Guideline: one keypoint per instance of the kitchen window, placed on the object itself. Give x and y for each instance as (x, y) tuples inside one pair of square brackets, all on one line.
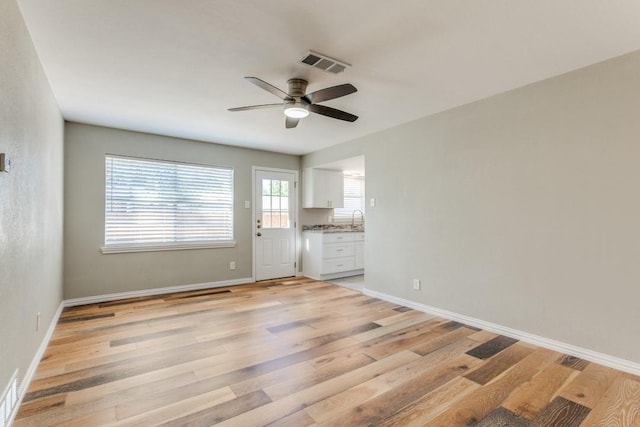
[(163, 205), (353, 199)]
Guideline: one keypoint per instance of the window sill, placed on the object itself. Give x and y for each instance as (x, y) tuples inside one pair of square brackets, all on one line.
[(120, 249)]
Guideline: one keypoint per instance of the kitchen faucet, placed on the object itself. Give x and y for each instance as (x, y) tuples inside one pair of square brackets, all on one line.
[(353, 218)]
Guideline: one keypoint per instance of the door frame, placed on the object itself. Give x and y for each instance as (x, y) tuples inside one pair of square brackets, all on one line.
[(254, 214)]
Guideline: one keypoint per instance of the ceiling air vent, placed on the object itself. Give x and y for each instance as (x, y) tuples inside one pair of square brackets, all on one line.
[(323, 62)]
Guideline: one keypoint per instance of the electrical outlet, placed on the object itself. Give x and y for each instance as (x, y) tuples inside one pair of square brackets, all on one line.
[(247, 204), (372, 202), (38, 322), (232, 265), (416, 284)]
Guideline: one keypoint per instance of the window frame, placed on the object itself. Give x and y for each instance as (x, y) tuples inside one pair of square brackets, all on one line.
[(341, 218), (114, 248)]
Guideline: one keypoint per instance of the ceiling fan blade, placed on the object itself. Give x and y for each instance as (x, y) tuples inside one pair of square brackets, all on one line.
[(330, 93), (269, 88), (332, 112), (291, 122), (254, 107)]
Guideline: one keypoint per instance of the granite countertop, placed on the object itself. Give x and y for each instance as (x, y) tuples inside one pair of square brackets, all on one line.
[(334, 228)]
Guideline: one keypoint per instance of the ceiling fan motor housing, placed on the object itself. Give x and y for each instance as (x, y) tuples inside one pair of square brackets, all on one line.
[(297, 88)]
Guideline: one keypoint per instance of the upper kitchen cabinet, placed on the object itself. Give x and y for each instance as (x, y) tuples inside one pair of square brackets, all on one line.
[(323, 188)]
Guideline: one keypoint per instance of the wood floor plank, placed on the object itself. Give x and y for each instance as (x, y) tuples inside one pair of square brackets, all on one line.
[(407, 338), (300, 400), (92, 377), (618, 407), (371, 370), (298, 352), (222, 411), (502, 417), (339, 406), (590, 385), (480, 403), (394, 327), (561, 413), (406, 391), (492, 347), (395, 318), (439, 341), (334, 407), (42, 405), (574, 362), (99, 418), (533, 396), (226, 374), (427, 407), (98, 401), (178, 409), (289, 379), (483, 336), (498, 364), (297, 419)]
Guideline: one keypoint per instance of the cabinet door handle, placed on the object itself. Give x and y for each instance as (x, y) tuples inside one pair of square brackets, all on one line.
[(340, 265)]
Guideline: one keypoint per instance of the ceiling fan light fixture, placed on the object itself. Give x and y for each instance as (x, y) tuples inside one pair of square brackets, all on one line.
[(296, 111)]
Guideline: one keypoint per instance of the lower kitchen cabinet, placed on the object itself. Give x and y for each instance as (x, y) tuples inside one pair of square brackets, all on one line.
[(359, 250), (332, 255)]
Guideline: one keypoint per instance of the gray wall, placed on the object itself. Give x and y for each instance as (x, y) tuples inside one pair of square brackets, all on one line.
[(87, 272), (521, 209), (31, 131)]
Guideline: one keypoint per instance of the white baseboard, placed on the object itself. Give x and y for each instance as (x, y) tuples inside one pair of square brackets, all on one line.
[(156, 291), (583, 353), (26, 380)]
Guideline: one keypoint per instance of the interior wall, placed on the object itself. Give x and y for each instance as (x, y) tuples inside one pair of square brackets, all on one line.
[(521, 209), (31, 132), (89, 273), (313, 216)]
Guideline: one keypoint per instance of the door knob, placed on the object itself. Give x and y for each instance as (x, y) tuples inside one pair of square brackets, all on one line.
[(258, 234)]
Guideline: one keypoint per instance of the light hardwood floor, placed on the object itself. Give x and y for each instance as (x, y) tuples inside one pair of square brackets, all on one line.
[(300, 352)]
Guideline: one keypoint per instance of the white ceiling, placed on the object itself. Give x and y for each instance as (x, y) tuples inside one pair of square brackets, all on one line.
[(173, 68)]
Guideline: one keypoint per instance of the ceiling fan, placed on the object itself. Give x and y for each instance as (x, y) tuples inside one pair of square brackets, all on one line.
[(297, 104)]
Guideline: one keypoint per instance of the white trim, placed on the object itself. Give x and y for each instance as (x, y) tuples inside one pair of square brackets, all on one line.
[(120, 249), (9, 400), (35, 361), (150, 292), (339, 275), (583, 353)]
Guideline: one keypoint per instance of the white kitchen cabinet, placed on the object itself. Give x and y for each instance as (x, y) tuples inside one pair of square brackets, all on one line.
[(331, 255), (322, 188), (359, 250)]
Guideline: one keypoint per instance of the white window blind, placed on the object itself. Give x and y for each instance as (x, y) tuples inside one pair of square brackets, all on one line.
[(167, 205), (353, 199)]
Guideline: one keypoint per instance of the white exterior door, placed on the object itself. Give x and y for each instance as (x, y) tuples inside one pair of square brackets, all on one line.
[(274, 224)]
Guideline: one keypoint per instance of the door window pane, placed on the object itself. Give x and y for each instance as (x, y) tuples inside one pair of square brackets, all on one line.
[(275, 204)]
